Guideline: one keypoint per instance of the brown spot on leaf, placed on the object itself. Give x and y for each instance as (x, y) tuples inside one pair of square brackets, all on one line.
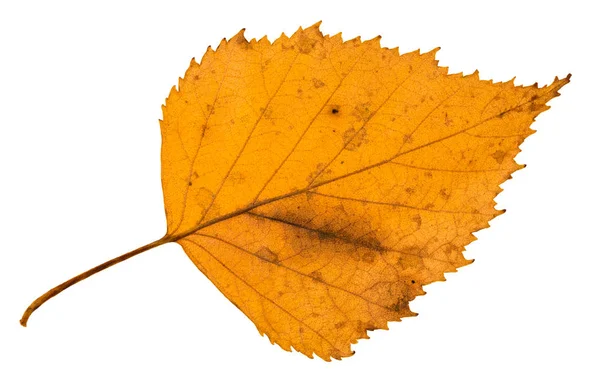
[(305, 44), (354, 139), (447, 120), (499, 156), (370, 241), (534, 107), (450, 248), (324, 235), (267, 255), (319, 171), (316, 275), (237, 177), (317, 83), (417, 219), (368, 257), (362, 112), (341, 324), (396, 306), (444, 193), (370, 326)]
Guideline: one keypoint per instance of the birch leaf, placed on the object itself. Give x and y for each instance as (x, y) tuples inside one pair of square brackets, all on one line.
[(320, 183)]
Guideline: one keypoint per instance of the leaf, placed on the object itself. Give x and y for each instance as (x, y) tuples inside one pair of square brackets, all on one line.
[(319, 184)]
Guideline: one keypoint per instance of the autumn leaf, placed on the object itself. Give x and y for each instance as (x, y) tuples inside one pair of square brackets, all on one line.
[(319, 184)]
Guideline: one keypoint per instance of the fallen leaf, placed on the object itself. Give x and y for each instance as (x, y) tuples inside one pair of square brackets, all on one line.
[(319, 184)]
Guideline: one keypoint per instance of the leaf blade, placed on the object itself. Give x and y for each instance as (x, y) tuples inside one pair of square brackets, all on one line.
[(310, 149)]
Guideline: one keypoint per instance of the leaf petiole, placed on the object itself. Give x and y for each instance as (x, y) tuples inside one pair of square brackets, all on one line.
[(59, 288)]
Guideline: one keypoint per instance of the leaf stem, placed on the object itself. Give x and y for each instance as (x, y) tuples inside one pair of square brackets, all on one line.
[(59, 288)]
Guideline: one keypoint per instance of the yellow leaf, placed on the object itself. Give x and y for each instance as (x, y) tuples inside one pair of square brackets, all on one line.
[(319, 184)]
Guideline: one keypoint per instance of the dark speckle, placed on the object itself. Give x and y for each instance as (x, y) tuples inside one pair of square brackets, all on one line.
[(316, 275), (396, 307), (267, 255), (444, 193), (412, 281), (354, 139), (340, 324), (368, 257), (323, 235), (317, 83), (417, 219), (536, 107), (334, 111), (499, 156)]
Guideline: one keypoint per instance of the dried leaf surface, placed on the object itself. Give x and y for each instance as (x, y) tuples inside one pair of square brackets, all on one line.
[(319, 184)]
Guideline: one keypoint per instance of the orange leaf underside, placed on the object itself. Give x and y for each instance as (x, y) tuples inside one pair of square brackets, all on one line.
[(319, 184)]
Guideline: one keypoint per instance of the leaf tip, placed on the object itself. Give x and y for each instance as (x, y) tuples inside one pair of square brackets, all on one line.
[(568, 78), (562, 82)]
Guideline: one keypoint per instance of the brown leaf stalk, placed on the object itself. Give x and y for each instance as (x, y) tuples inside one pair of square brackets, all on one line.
[(61, 287)]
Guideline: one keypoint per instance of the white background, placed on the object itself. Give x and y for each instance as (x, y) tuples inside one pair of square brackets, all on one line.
[(80, 92)]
